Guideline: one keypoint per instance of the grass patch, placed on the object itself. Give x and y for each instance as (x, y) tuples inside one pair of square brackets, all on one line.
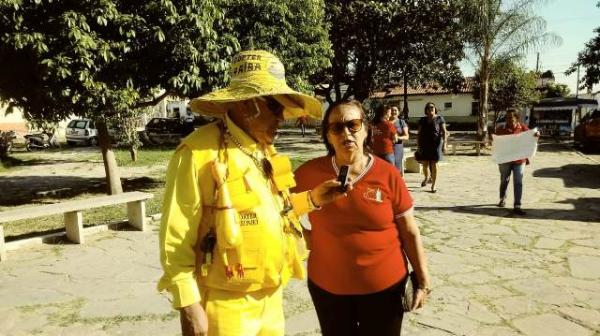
[(146, 157)]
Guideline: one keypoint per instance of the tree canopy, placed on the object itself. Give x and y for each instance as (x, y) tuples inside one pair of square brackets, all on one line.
[(511, 85), (502, 29), (378, 42), (100, 59)]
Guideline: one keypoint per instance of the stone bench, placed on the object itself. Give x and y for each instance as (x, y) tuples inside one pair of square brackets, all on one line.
[(473, 143), (72, 210)]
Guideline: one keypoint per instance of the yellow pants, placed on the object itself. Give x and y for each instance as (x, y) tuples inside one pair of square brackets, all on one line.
[(258, 313)]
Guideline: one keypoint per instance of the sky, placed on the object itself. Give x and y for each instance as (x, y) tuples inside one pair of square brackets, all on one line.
[(572, 20)]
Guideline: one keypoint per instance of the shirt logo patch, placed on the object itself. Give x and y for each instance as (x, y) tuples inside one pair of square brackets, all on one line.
[(374, 194), (248, 218)]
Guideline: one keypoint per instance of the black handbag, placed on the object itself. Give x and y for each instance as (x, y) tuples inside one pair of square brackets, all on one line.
[(418, 155), (410, 288)]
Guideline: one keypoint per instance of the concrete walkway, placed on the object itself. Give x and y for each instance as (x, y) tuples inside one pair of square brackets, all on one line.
[(493, 273)]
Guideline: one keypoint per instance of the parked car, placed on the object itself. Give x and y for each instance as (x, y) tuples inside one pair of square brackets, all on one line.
[(169, 131), (163, 131), (81, 131), (587, 132)]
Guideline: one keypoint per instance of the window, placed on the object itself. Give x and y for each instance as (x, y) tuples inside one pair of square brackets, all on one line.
[(447, 105)]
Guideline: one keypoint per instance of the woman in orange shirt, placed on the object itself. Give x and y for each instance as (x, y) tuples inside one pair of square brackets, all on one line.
[(360, 243)]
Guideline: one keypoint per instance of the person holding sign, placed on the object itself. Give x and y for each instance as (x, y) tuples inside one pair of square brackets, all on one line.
[(516, 167)]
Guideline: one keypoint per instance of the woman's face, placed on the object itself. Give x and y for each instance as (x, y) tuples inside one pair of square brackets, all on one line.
[(511, 120), (346, 131), (430, 110), (395, 113), (387, 114)]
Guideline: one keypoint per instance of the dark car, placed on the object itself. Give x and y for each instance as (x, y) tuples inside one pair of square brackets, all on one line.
[(587, 132), (169, 131), (163, 131)]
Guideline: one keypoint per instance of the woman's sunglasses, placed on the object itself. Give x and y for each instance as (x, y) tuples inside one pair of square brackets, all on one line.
[(353, 126)]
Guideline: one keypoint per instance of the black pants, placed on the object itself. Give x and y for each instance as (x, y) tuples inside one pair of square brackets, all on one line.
[(359, 315)]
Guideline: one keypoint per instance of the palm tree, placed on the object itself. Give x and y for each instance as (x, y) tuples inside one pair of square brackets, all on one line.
[(502, 28)]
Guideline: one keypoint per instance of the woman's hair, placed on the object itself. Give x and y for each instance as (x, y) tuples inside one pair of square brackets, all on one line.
[(512, 112), (379, 112), (430, 104), (325, 125)]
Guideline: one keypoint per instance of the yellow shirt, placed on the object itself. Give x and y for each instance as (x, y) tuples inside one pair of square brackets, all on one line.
[(269, 254)]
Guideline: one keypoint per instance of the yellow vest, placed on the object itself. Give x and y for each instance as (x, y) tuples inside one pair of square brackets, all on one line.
[(271, 252)]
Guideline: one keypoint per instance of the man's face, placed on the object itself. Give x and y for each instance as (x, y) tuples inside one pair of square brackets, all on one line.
[(262, 117)]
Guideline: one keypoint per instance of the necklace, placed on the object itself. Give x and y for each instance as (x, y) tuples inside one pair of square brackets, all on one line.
[(263, 165)]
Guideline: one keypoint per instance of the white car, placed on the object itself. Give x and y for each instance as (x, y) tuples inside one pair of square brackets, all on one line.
[(81, 131)]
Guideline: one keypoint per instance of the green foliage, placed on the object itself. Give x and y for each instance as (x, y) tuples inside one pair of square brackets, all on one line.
[(99, 58), (293, 30), (376, 42), (555, 90), (501, 29), (589, 59), (511, 86)]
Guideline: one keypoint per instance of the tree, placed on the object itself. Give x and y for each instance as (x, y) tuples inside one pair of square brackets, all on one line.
[(510, 86), (103, 59), (378, 42), (551, 90), (500, 28), (294, 30), (589, 59)]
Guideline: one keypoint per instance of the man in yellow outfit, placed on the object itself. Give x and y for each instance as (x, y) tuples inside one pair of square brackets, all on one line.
[(230, 238)]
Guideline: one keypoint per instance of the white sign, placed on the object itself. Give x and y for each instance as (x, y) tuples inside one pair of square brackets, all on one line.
[(513, 147)]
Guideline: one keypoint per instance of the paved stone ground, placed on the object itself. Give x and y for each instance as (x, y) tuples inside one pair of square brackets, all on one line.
[(493, 273)]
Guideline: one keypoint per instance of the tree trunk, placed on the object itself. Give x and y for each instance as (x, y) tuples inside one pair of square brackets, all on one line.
[(133, 153), (405, 107), (483, 97), (110, 163)]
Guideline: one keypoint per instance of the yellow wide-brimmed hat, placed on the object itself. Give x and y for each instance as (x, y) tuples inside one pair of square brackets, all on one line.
[(257, 73)]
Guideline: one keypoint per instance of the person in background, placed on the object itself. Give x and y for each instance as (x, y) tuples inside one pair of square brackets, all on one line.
[(431, 141), (188, 122), (384, 135), (516, 168), (401, 136), (301, 122), (230, 238), (360, 244)]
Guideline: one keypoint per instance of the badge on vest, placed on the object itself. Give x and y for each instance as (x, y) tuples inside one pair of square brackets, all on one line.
[(248, 218)]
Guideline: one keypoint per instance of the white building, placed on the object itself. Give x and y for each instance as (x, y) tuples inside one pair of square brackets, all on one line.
[(455, 107)]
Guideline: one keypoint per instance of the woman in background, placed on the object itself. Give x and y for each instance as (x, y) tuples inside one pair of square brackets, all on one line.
[(431, 142), (401, 136), (384, 135)]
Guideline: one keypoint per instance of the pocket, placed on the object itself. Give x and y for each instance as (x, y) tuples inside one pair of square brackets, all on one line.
[(242, 198)]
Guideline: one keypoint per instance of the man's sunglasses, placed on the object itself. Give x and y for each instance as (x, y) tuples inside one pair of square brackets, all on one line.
[(353, 126), (274, 106)]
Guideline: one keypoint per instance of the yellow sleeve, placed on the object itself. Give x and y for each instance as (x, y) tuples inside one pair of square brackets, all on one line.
[(300, 203), (181, 213)]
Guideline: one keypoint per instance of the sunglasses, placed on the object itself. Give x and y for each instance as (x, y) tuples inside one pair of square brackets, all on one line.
[(274, 106), (353, 126)]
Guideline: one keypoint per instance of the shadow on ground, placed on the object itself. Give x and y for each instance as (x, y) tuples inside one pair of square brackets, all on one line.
[(19, 190), (573, 175), (14, 162), (585, 210)]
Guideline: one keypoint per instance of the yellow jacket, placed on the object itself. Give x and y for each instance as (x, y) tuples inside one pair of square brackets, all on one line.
[(270, 253)]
